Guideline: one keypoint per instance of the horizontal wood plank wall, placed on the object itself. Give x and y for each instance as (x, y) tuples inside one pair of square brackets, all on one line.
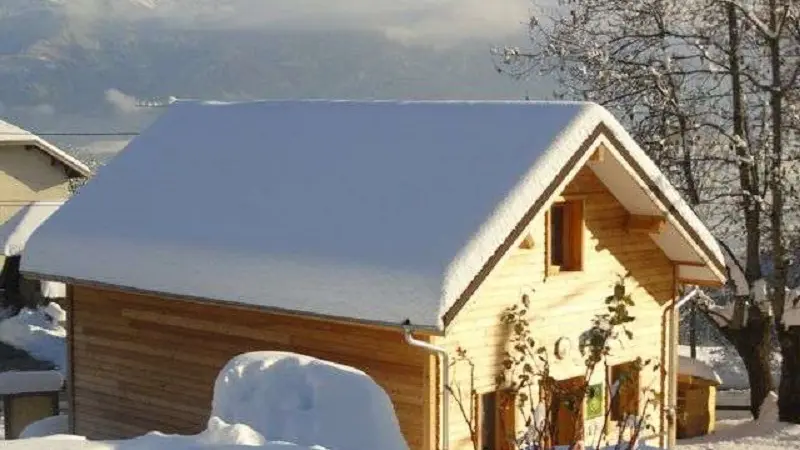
[(143, 363), (564, 304)]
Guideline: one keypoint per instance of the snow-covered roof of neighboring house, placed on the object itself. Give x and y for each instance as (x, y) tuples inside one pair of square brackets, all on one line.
[(16, 231), (379, 212), (11, 134), (736, 273), (697, 369)]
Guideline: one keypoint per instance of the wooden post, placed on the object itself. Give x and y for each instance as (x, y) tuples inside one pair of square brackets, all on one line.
[(23, 409)]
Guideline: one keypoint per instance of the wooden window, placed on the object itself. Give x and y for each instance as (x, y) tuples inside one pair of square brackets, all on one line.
[(565, 237), (496, 427), (566, 410), (624, 379)]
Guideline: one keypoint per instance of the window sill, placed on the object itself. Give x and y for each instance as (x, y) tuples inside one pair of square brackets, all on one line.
[(555, 272)]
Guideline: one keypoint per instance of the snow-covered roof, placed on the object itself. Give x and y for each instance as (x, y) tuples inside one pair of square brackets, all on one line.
[(30, 381), (16, 231), (736, 273), (697, 369), (370, 211), (11, 134)]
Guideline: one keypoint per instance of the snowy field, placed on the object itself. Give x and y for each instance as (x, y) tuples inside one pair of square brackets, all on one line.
[(764, 434)]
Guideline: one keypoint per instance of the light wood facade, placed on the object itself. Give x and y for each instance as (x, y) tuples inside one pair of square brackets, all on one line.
[(564, 303)]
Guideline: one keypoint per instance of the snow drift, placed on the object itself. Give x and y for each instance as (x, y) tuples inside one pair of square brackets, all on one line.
[(271, 401), (294, 398), (38, 332)]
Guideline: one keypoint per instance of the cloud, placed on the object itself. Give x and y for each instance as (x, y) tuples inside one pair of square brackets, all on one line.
[(44, 109), (104, 147), (405, 20), (121, 101)]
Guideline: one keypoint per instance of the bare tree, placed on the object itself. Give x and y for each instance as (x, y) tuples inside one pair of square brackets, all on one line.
[(709, 88)]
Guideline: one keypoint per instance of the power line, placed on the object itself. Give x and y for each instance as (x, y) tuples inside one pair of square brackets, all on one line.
[(74, 133)]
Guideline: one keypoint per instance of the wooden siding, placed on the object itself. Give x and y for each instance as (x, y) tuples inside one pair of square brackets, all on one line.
[(143, 363), (564, 304), (28, 175)]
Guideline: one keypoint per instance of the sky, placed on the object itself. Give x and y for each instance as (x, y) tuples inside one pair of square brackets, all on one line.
[(414, 21)]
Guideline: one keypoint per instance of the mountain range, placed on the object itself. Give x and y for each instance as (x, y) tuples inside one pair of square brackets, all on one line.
[(83, 65)]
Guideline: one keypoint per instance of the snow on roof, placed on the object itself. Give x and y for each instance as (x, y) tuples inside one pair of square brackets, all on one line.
[(30, 381), (16, 231), (370, 211), (697, 369), (12, 134), (735, 270)]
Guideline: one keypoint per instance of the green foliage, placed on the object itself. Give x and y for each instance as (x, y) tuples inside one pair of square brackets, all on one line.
[(594, 401)]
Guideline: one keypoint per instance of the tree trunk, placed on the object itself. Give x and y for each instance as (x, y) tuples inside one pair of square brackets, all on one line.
[(789, 392), (753, 343)]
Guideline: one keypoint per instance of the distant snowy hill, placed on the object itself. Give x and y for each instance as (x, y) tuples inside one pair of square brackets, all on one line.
[(83, 64)]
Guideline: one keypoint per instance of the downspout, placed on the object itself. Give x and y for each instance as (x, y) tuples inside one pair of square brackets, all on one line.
[(673, 311), (442, 353)]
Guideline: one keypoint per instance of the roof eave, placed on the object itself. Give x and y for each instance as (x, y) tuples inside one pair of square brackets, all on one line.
[(423, 329), (71, 163)]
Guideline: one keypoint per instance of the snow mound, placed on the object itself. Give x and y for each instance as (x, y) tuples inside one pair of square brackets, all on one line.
[(293, 398), (35, 331), (49, 426), (218, 436), (56, 312), (768, 413), (218, 433), (698, 369)]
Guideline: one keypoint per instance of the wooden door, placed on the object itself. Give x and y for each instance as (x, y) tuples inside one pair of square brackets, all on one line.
[(567, 411)]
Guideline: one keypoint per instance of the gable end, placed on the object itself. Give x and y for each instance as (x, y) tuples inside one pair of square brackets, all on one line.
[(600, 130), (520, 227)]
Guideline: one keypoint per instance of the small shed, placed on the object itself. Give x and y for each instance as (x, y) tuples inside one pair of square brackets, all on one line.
[(697, 398), (368, 234)]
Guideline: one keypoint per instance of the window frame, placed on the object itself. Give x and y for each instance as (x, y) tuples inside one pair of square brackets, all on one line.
[(619, 411), (572, 236), (503, 419)]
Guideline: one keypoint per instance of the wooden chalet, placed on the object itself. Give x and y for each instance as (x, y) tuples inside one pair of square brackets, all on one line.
[(353, 232)]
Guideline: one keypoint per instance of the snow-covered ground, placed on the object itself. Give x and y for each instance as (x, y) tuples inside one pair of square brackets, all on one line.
[(272, 401), (39, 332), (745, 434)]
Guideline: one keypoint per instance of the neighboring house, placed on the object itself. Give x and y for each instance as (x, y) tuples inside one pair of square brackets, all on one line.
[(344, 230), (33, 174), (32, 169)]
